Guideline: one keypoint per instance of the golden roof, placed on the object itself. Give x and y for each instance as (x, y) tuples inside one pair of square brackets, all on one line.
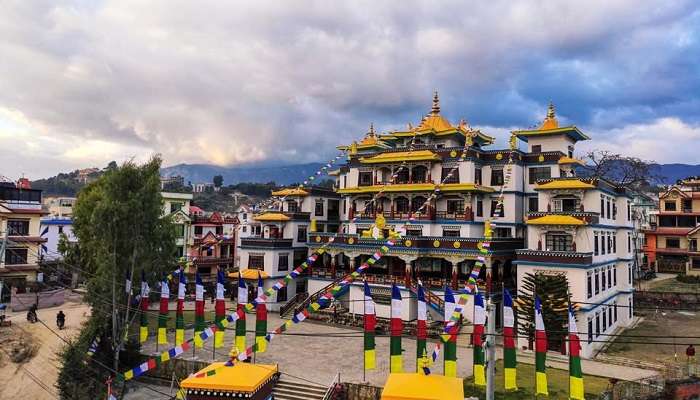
[(550, 127), (569, 160), (413, 386), (573, 183), (370, 137), (416, 187), (555, 220), (462, 187), (271, 217), (420, 155), (291, 192), (434, 120), (241, 377)]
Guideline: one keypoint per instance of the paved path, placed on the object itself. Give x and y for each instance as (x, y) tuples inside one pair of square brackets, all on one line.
[(644, 285)]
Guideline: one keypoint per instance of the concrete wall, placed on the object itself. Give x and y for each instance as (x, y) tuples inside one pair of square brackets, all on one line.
[(23, 301)]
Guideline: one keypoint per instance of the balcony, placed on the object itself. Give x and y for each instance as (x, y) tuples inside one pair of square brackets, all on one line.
[(425, 215), (271, 243), (559, 257), (211, 260), (587, 217)]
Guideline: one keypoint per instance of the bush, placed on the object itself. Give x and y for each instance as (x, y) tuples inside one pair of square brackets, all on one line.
[(692, 279)]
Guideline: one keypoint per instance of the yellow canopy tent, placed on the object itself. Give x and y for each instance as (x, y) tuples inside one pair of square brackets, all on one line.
[(412, 386), (251, 381), (249, 274)]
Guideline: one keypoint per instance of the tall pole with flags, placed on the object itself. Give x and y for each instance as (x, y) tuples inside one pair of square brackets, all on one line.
[(540, 350), (575, 374), (163, 315), (450, 356), (199, 324), (241, 322), (478, 340), (421, 329), (145, 291), (370, 323), (509, 357), (260, 318), (219, 309), (180, 311), (396, 328)]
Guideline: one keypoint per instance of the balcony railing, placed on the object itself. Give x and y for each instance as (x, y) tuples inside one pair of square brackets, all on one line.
[(560, 257), (266, 242), (206, 260), (425, 215), (419, 242)]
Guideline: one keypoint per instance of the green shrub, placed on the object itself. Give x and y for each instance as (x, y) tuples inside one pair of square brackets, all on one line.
[(692, 279)]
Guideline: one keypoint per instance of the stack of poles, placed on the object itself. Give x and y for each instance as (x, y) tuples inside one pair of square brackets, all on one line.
[(219, 309), (575, 374), (540, 350), (450, 357), (179, 312), (145, 291), (478, 340), (421, 329), (260, 319), (509, 358), (396, 328), (199, 324), (370, 323), (163, 315), (241, 322)]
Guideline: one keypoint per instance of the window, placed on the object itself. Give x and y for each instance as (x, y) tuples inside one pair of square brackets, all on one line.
[(301, 234), (455, 206), (602, 206), (595, 243), (629, 243), (219, 230), (345, 181), (450, 232), (479, 208), (589, 284), (245, 216), (15, 256), (673, 243), (607, 207), (454, 178), (609, 277), (318, 211), (559, 242), (597, 324), (495, 211), (615, 311), (605, 320), (629, 211), (60, 229), (614, 242), (614, 276), (244, 229), (496, 177), (597, 281), (292, 206), (629, 274), (502, 232), (537, 148), (614, 208), (537, 173), (365, 178), (414, 232), (570, 151), (175, 207), (602, 243), (283, 264), (179, 252), (401, 204), (566, 205), (590, 330), (180, 230), (533, 204), (17, 227), (477, 176), (610, 315), (197, 230), (602, 279), (282, 294), (670, 205), (256, 261), (629, 308)]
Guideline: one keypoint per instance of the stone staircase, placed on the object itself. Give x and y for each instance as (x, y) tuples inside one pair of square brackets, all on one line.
[(294, 390)]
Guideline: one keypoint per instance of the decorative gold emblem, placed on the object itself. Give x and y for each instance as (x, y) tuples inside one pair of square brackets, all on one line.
[(318, 239), (408, 243), (453, 153), (351, 240), (540, 158), (457, 245), (499, 156), (436, 243)]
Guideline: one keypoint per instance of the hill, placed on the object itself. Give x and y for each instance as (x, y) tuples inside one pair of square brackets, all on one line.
[(673, 172), (280, 174)]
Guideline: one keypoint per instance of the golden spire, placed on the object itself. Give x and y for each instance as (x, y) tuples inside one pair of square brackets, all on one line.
[(371, 129), (550, 122), (436, 105)]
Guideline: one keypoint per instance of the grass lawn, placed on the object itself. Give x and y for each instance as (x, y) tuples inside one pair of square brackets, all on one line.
[(673, 323), (557, 379), (675, 286)]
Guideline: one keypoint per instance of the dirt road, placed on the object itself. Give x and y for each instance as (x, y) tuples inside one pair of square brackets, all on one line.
[(35, 377)]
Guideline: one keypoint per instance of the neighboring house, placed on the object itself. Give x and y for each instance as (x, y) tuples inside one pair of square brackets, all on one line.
[(672, 240), (87, 175), (177, 206), (203, 187), (644, 212), (277, 239), (59, 206), (20, 238), (176, 180), (213, 242), (52, 228)]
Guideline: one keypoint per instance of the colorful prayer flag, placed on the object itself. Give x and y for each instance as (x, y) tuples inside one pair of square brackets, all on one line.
[(421, 329), (179, 313), (450, 356), (145, 291), (477, 339), (241, 322), (575, 373), (370, 324), (540, 350), (127, 284), (163, 316), (509, 358), (199, 324), (219, 309), (261, 319), (396, 357)]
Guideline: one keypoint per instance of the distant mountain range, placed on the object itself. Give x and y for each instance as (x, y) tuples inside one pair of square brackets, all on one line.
[(284, 175)]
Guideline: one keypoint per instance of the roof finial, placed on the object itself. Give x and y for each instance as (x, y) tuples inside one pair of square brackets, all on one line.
[(371, 129), (550, 122), (550, 110), (436, 104)]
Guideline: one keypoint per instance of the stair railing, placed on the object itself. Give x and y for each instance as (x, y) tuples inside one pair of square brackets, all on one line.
[(332, 388), (292, 303)]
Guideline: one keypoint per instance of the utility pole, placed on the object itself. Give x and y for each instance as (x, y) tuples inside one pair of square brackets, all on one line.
[(490, 337)]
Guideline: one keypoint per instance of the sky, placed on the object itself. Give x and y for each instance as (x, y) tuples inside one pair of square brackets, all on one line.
[(237, 82)]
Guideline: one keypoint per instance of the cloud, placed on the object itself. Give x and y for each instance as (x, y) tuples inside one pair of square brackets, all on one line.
[(239, 82)]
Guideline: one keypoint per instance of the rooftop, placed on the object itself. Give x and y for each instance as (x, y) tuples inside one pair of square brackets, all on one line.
[(413, 386), (241, 377)]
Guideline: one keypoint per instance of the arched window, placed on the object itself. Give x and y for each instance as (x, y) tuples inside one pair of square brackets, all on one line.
[(402, 176), (401, 204), (417, 203), (420, 173)]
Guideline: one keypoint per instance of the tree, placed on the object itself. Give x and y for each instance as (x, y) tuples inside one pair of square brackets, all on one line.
[(553, 291), (118, 222), (218, 181), (624, 171)]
